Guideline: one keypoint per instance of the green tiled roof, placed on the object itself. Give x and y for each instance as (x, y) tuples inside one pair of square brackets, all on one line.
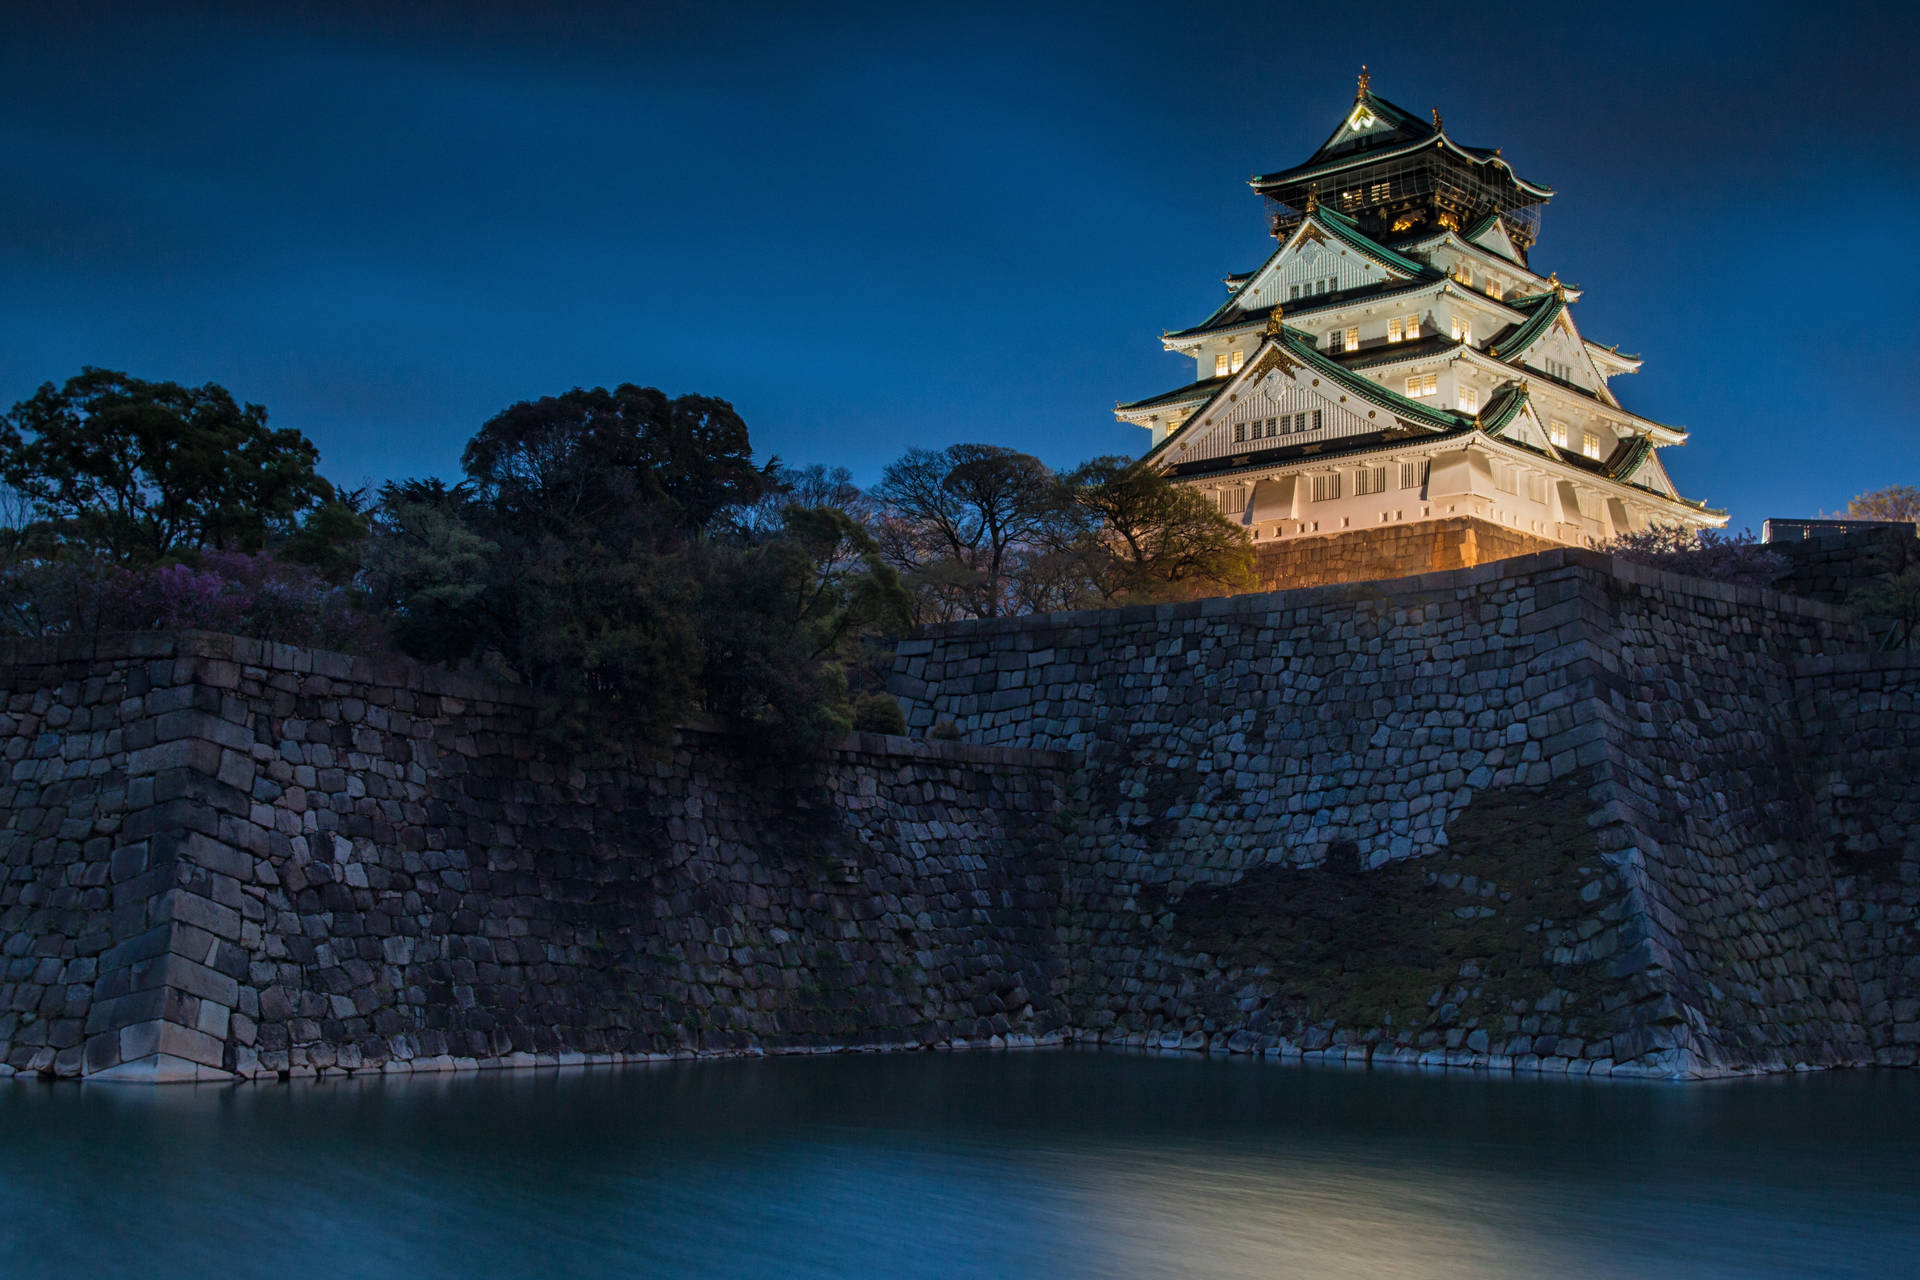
[(1502, 408), (1206, 385), (1300, 346), (1411, 134), (1346, 229), (1534, 328), (1220, 320), (1631, 456)]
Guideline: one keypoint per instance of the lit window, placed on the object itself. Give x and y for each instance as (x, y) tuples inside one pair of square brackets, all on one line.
[(1557, 432), (1379, 190), (1353, 339), (1590, 444), (1326, 488), (1239, 361), (1470, 399), (1423, 384), (1395, 329), (1220, 365), (1413, 474), (1462, 329), (1493, 288), (1413, 327), (1464, 274)]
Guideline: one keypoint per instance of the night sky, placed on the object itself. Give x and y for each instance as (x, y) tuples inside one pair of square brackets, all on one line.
[(877, 228)]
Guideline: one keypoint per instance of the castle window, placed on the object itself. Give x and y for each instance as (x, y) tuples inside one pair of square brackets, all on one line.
[(1239, 361), (1493, 289), (1557, 432), (1239, 432), (1293, 293), (1370, 480), (1326, 487), (1464, 274), (1505, 478), (1413, 327), (1336, 340), (1590, 444), (1395, 329), (1470, 399), (1462, 329), (1414, 474), (1353, 339), (1537, 488), (1316, 419), (1379, 191), (1220, 365), (1423, 384), (1270, 428)]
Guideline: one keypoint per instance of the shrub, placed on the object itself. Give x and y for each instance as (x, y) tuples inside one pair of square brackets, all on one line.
[(1738, 558), (241, 593), (878, 713)]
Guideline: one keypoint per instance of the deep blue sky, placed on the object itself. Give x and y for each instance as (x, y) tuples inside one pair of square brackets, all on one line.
[(875, 228)]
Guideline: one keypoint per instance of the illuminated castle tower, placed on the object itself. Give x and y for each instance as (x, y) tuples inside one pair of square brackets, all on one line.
[(1396, 389)]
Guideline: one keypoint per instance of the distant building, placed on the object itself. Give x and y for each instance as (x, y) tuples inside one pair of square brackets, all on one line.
[(1396, 389), (1804, 530)]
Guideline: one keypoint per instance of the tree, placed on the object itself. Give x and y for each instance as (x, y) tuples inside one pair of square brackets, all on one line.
[(1897, 502), (617, 549), (1162, 540), (977, 530), (601, 459), (782, 618), (145, 470)]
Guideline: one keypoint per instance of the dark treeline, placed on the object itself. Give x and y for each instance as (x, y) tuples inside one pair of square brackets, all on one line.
[(620, 549)]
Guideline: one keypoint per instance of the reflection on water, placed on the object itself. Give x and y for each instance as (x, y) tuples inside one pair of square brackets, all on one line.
[(1046, 1164)]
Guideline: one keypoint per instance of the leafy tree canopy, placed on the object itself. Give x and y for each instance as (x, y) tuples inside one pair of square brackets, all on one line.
[(144, 470), (601, 460), (1163, 539), (1896, 502), (978, 530)]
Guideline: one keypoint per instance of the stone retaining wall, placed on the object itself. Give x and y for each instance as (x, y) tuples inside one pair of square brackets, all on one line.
[(1555, 813), (1389, 551), (223, 857), (1864, 749)]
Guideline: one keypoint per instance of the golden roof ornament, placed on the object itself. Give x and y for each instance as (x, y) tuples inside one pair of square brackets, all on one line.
[(1313, 197), (1366, 81), (1274, 325), (1553, 283), (1436, 120)]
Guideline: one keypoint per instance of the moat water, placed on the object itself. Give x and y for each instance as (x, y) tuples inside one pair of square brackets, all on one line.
[(970, 1165)]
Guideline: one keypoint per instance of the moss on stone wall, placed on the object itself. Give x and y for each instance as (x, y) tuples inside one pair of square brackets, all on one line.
[(1501, 926)]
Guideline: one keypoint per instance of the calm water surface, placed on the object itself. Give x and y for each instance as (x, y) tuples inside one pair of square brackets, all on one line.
[(1026, 1164)]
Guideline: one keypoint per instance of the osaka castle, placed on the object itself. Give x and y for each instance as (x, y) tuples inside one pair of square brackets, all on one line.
[(1398, 388)]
